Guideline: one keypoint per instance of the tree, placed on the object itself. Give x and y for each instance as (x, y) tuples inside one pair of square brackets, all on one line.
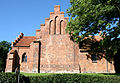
[(4, 49), (90, 17)]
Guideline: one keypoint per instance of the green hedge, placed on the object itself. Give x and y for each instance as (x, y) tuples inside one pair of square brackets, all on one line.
[(74, 78), (7, 78), (59, 78)]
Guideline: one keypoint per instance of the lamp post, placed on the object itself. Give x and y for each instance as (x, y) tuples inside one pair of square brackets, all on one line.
[(17, 71)]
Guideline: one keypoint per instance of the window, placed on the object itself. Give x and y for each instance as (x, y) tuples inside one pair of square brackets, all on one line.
[(94, 58), (50, 25), (55, 25), (61, 26), (24, 57)]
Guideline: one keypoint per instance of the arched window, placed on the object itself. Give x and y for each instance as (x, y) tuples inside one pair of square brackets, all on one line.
[(24, 57), (50, 25), (55, 25), (61, 26)]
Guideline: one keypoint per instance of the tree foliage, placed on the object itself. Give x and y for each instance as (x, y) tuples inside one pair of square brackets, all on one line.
[(4, 49), (90, 17)]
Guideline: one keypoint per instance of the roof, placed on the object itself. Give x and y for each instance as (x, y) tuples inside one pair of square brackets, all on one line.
[(12, 51), (25, 41), (98, 38)]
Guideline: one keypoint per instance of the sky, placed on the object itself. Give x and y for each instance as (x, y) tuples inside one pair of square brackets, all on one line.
[(25, 16)]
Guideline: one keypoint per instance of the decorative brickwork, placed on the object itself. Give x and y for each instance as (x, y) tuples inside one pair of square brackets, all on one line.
[(53, 51)]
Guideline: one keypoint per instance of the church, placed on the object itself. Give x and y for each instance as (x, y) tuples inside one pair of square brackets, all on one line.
[(52, 50)]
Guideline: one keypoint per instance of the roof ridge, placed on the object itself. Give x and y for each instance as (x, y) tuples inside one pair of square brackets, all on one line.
[(29, 36)]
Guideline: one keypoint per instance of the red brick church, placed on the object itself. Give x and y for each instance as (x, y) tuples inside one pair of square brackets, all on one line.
[(53, 51)]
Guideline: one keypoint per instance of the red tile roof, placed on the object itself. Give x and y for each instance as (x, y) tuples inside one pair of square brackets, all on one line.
[(25, 41), (12, 51), (98, 38)]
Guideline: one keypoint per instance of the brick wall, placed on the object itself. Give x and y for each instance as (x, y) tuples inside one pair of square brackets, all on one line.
[(52, 50)]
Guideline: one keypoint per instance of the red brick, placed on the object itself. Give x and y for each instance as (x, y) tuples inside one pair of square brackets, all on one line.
[(58, 53)]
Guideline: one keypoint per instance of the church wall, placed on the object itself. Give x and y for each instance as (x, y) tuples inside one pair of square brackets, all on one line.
[(24, 66), (54, 51), (58, 55)]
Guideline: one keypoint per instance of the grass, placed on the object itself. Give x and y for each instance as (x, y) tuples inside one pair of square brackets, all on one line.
[(36, 74), (101, 74), (96, 74)]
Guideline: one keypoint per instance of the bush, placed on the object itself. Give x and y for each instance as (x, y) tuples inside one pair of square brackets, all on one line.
[(60, 78), (73, 78), (7, 77)]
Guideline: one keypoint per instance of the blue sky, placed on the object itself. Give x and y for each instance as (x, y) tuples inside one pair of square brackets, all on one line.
[(25, 16)]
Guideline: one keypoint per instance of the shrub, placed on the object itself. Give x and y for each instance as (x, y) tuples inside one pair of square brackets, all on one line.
[(60, 78), (7, 77), (73, 78)]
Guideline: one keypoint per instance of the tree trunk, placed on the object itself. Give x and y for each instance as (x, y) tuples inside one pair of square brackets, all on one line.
[(117, 61)]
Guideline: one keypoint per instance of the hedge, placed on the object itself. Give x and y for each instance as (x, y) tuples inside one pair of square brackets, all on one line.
[(7, 77), (59, 78), (74, 78)]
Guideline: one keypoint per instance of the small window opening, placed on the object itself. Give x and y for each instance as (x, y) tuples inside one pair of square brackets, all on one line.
[(94, 58), (24, 57), (61, 26), (55, 25)]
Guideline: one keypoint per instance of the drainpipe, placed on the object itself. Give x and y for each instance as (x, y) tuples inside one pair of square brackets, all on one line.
[(39, 57), (74, 53), (106, 65)]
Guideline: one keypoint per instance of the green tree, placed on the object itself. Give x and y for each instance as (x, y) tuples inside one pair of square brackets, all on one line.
[(4, 49), (89, 17)]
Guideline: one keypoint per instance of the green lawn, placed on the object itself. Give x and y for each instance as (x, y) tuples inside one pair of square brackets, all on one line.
[(43, 74), (36, 74)]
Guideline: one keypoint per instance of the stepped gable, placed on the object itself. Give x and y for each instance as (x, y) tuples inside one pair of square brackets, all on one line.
[(54, 24)]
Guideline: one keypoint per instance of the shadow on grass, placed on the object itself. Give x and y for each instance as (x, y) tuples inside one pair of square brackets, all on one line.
[(110, 74), (25, 80)]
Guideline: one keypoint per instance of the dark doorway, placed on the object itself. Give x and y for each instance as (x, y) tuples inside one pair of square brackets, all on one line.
[(15, 63)]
